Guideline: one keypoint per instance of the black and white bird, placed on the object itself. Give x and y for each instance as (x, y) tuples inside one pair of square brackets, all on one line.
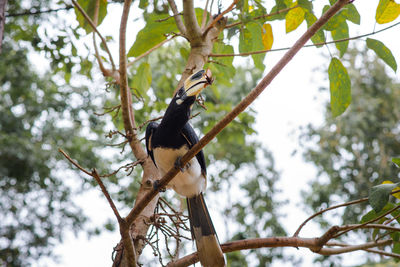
[(166, 143)]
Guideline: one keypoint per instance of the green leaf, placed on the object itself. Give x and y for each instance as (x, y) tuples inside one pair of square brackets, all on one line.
[(319, 36), (383, 52), (153, 33), (387, 11), (294, 18), (341, 32), (245, 41), (372, 214), (379, 195), (396, 248), (340, 87), (306, 5), (256, 44), (89, 7), (142, 79), (350, 13), (396, 161)]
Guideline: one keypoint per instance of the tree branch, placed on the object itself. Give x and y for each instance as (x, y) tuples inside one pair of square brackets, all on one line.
[(327, 209), (271, 242), (239, 108), (220, 16), (193, 32), (245, 54), (347, 249), (93, 25), (30, 12), (177, 17), (3, 4)]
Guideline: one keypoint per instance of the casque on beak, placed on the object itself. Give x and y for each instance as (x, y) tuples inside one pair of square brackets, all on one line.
[(197, 82)]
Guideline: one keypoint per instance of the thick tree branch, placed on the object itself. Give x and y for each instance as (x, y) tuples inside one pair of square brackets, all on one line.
[(271, 242), (239, 108), (177, 17), (193, 32)]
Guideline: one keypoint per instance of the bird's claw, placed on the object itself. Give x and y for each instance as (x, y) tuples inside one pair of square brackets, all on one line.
[(178, 164), (157, 187)]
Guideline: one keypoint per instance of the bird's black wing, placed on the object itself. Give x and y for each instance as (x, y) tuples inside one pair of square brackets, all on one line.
[(191, 138), (150, 129)]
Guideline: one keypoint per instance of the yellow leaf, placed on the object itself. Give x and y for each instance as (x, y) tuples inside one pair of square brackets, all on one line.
[(251, 8), (267, 36), (294, 18), (387, 11), (397, 195)]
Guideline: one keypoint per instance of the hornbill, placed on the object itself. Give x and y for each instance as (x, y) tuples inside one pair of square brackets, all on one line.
[(166, 143)]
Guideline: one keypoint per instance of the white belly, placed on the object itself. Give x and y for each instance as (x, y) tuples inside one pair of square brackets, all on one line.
[(188, 183)]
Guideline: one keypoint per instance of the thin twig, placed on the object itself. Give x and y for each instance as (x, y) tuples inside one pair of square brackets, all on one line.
[(262, 16), (238, 109), (245, 54), (327, 209), (74, 162), (96, 176), (146, 122), (30, 12), (151, 50), (204, 18), (178, 19), (220, 16), (92, 24), (368, 222)]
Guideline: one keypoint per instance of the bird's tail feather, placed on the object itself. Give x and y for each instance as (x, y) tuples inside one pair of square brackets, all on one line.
[(203, 232)]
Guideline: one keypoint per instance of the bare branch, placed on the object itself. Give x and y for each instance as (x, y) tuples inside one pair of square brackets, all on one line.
[(93, 25), (96, 176), (239, 108), (347, 249), (177, 17), (296, 242), (327, 209), (74, 162), (36, 12)]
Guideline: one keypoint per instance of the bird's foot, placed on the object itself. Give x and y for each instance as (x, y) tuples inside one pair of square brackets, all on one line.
[(178, 164), (158, 187)]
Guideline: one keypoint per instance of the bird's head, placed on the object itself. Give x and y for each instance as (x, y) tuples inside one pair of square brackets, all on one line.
[(192, 87)]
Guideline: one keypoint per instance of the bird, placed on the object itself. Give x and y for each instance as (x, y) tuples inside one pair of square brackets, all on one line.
[(166, 143)]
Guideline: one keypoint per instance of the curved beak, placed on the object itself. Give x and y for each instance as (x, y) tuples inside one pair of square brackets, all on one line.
[(197, 82)]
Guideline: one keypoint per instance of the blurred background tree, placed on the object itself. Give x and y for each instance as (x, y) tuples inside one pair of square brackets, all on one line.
[(353, 152)]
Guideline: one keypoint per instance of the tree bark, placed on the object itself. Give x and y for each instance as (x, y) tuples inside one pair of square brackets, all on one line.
[(3, 4)]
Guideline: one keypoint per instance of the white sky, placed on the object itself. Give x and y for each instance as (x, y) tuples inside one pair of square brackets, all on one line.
[(292, 100)]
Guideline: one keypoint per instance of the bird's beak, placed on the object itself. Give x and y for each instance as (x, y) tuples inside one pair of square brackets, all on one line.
[(197, 82)]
